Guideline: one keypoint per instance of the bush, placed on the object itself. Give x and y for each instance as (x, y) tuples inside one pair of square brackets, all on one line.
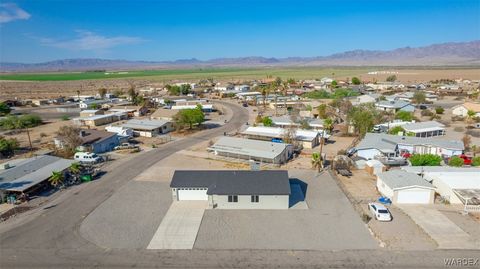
[(455, 161), (439, 110), (65, 117), (476, 161), (404, 115), (20, 122), (425, 160), (395, 130)]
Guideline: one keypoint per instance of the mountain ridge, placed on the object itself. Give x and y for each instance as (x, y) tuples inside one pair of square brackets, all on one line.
[(450, 53)]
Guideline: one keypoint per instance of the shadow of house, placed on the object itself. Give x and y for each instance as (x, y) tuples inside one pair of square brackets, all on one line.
[(298, 191)]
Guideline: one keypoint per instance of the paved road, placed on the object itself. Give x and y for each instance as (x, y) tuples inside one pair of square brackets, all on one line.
[(50, 237)]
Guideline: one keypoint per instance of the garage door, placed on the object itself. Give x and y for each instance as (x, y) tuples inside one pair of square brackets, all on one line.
[(413, 197), (192, 194)]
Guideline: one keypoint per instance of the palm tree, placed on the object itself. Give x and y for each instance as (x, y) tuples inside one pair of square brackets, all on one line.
[(56, 179), (75, 168), (470, 116), (317, 161)]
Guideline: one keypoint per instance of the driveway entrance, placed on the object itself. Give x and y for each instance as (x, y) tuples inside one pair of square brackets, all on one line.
[(180, 225)]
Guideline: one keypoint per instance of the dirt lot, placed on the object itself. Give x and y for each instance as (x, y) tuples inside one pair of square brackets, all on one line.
[(421, 75), (401, 233)]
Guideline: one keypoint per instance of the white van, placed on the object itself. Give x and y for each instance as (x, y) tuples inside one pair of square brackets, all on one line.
[(87, 157)]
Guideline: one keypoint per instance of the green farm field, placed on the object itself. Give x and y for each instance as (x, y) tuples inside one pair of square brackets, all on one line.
[(193, 74)]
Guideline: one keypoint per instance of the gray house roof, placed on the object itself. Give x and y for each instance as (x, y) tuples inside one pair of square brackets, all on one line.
[(397, 104), (386, 142), (398, 179), (248, 147), (30, 172), (423, 126), (145, 124), (228, 182)]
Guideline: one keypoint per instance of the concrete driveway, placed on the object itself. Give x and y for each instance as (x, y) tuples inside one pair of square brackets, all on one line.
[(440, 228), (180, 225)]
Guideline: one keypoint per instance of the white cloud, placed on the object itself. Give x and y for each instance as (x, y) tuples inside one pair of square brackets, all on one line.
[(11, 12), (87, 40)]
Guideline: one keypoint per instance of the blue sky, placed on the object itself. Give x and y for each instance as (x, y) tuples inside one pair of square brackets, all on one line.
[(36, 31)]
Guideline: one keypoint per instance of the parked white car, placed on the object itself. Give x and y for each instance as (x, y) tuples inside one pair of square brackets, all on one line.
[(87, 157), (380, 212)]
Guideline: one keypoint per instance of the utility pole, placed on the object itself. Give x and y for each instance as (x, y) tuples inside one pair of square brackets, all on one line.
[(29, 140)]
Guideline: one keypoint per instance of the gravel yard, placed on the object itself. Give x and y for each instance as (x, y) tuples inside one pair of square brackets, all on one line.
[(401, 233), (329, 223), (130, 217)]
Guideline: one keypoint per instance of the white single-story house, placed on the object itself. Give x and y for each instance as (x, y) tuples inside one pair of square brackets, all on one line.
[(308, 138), (386, 145), (119, 130), (425, 129), (405, 188), (462, 110), (457, 187), (394, 106), (92, 103), (248, 149), (227, 189), (149, 128), (98, 120)]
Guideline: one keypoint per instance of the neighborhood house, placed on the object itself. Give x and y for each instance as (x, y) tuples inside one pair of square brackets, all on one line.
[(229, 189)]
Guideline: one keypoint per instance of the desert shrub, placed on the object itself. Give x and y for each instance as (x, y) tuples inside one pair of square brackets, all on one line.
[(342, 152), (455, 161), (65, 117), (43, 135), (459, 129), (366, 218), (425, 160), (426, 113), (476, 161), (439, 110)]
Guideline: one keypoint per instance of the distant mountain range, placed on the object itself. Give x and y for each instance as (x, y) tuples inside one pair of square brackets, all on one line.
[(454, 53)]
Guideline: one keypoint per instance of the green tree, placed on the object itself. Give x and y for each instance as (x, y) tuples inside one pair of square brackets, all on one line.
[(102, 92), (328, 125), (4, 109), (404, 115), (56, 179), (395, 130), (470, 116), (356, 81), (7, 146), (185, 89), (455, 161), (476, 161), (391, 78), (322, 111), (425, 160), (317, 161), (363, 118), (334, 84), (267, 122), (75, 168), (419, 97), (189, 117)]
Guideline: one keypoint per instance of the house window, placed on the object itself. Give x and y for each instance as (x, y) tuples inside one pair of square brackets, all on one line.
[(254, 198), (233, 199)]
